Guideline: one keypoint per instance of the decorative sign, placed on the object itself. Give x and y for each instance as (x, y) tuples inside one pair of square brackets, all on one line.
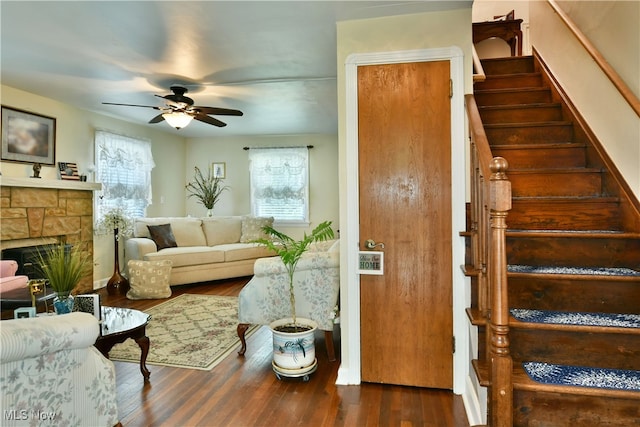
[(68, 171), (371, 262)]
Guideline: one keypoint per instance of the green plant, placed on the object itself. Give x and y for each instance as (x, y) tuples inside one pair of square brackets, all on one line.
[(290, 251), (64, 267), (207, 189)]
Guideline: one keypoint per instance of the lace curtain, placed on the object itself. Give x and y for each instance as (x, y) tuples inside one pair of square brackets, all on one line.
[(123, 166), (280, 183)]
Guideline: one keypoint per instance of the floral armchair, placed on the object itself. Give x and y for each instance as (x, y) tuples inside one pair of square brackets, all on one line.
[(8, 279), (51, 374), (317, 284)]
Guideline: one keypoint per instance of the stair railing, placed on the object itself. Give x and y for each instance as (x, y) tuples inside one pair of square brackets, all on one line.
[(478, 70), (490, 203)]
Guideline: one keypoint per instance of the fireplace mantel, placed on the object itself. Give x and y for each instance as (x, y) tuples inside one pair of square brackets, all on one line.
[(8, 181)]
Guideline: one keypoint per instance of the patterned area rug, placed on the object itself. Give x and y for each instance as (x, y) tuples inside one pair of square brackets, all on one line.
[(189, 331), (585, 319), (617, 379)]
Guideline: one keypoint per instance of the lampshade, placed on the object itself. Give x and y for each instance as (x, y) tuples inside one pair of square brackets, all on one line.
[(177, 119)]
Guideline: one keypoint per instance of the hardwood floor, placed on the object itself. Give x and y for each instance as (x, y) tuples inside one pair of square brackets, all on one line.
[(243, 391)]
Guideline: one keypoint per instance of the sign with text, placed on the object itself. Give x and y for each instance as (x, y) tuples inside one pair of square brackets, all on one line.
[(371, 262)]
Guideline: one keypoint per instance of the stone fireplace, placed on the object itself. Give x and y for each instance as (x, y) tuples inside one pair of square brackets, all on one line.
[(36, 211)]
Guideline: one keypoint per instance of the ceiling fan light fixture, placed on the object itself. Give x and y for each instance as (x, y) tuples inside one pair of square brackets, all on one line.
[(177, 119)]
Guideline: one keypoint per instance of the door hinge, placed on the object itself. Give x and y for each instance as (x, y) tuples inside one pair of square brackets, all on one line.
[(450, 88), (453, 344)]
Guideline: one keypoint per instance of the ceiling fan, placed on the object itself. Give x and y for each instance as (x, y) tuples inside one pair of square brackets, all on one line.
[(179, 110)]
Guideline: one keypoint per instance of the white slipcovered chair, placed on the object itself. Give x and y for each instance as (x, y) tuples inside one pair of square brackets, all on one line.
[(317, 285), (51, 374)]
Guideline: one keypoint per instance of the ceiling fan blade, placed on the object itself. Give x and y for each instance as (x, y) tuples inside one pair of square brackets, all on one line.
[(218, 111), (132, 105), (210, 120), (157, 119)]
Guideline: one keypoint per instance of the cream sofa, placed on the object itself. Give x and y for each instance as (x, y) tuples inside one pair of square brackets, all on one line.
[(206, 248), (51, 374)]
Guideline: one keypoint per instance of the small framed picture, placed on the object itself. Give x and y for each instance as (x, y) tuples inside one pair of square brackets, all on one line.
[(28, 137), (88, 303), (220, 170), (24, 312)]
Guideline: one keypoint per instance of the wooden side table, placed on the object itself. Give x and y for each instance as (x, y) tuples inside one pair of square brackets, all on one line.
[(508, 31), (119, 324)]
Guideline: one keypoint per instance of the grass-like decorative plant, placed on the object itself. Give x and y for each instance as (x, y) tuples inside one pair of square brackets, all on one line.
[(64, 267), (206, 188)]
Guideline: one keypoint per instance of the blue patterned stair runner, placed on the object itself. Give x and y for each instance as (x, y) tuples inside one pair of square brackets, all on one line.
[(603, 271), (615, 379), (576, 318)]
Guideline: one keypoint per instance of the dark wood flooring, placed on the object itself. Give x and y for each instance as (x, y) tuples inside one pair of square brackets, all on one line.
[(243, 391)]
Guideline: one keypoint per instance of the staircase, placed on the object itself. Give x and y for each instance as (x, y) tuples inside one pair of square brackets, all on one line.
[(572, 246)]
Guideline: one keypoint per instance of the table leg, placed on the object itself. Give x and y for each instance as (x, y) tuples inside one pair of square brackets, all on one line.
[(143, 343)]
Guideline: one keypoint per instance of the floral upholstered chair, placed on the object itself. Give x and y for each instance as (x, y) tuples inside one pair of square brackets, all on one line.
[(317, 284), (8, 279), (51, 374)]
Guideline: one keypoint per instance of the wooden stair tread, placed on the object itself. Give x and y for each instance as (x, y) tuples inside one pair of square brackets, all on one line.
[(527, 124), (541, 171), (519, 106), (511, 89), (521, 381), (538, 146), (594, 234), (593, 199)]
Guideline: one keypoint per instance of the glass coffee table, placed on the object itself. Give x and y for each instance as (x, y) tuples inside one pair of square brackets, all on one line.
[(119, 324)]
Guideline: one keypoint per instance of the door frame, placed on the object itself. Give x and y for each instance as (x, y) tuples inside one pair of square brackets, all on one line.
[(350, 369)]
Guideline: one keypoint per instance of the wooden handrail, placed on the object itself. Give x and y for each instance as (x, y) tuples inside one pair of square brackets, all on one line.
[(478, 73), (615, 78)]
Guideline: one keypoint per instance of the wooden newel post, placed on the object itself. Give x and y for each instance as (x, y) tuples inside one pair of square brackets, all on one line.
[(501, 366)]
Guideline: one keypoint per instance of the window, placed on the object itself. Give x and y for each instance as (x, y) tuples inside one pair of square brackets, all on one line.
[(123, 166), (280, 183)]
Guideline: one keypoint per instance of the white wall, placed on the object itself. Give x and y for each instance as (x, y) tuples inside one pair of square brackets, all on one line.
[(74, 143), (323, 174), (613, 28)]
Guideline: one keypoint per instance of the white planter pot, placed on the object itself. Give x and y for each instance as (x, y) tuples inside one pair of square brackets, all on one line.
[(294, 352)]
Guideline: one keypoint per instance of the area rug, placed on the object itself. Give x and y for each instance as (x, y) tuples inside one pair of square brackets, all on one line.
[(617, 379), (577, 318), (188, 331)]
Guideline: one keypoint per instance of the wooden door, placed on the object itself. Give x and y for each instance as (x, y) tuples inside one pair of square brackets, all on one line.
[(404, 138)]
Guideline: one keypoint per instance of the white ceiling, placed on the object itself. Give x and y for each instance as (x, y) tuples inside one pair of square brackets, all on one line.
[(275, 61)]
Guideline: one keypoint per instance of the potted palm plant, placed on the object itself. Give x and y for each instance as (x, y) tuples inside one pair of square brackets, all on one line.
[(206, 189), (293, 338), (63, 267)]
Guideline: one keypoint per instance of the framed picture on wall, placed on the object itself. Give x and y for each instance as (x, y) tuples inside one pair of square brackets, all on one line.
[(220, 170), (28, 137)]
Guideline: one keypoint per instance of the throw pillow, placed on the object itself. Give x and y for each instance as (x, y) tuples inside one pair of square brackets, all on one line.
[(162, 236), (252, 228), (149, 279)]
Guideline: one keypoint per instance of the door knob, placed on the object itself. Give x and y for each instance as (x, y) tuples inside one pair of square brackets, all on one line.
[(371, 244)]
